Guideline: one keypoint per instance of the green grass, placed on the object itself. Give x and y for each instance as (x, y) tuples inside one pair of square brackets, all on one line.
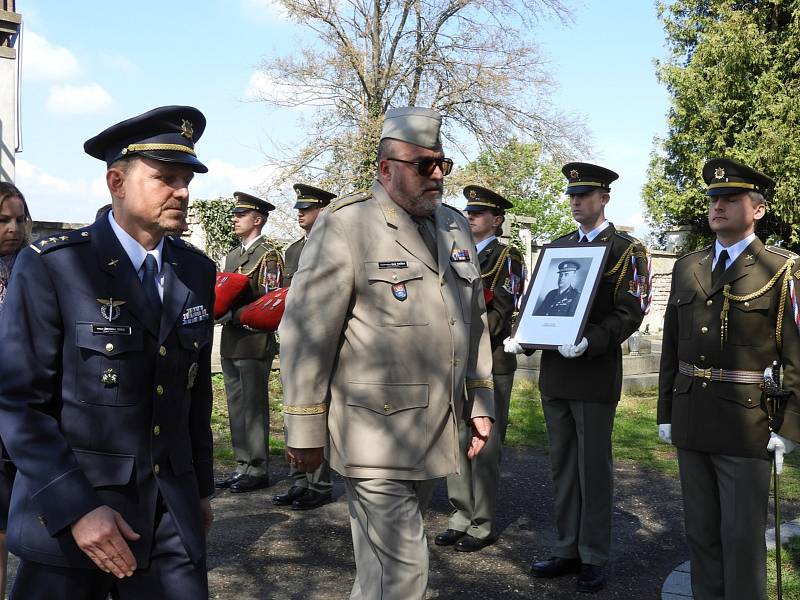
[(790, 559), (220, 427)]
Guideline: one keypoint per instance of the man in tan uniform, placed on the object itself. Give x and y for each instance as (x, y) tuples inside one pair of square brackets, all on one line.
[(730, 314), (246, 355), (381, 372), (313, 489)]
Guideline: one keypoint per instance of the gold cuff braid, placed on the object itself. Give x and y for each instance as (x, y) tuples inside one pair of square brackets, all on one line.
[(313, 409), (480, 383)]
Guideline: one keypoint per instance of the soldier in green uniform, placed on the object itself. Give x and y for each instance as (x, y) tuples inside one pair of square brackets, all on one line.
[(312, 489), (246, 354), (473, 490), (581, 384), (730, 314)]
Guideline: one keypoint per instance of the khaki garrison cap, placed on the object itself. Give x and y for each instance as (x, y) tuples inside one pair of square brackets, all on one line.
[(418, 126)]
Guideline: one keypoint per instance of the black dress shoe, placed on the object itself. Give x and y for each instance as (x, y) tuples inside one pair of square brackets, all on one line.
[(591, 579), (228, 481), (472, 544), (248, 483), (286, 499), (449, 537), (311, 500), (555, 567)]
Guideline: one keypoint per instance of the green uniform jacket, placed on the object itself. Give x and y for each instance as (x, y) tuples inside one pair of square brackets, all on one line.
[(616, 313), (500, 310), (721, 417), (292, 260), (263, 264)]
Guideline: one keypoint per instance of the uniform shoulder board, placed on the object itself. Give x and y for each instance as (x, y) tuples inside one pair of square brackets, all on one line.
[(453, 208), (693, 252), (783, 252), (62, 240), (565, 236), (514, 252), (181, 243), (349, 199), (627, 237)]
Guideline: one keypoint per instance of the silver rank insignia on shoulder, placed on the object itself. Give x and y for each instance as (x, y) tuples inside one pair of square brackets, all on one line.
[(109, 377), (399, 291), (192, 375), (109, 309)]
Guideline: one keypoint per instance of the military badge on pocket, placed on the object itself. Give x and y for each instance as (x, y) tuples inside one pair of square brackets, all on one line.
[(399, 291)]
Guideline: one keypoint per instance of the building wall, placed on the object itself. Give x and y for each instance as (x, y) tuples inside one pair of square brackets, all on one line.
[(9, 25)]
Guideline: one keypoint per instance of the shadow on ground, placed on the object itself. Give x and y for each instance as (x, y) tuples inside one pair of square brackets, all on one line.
[(259, 551)]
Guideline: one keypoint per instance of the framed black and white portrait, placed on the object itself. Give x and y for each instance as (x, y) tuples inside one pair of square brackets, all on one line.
[(560, 295)]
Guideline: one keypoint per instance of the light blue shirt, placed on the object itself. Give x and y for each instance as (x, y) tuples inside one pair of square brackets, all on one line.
[(594, 232), (137, 253), (483, 243), (734, 250)]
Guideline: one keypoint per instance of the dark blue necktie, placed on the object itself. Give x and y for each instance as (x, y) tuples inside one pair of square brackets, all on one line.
[(150, 270)]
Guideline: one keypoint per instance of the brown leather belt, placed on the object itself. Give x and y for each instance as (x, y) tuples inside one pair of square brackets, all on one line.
[(727, 375)]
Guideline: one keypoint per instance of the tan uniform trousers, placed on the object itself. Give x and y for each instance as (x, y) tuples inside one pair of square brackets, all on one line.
[(473, 491), (388, 537), (725, 503)]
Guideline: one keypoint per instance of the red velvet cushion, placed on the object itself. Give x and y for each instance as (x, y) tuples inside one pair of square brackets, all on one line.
[(228, 288), (266, 312)]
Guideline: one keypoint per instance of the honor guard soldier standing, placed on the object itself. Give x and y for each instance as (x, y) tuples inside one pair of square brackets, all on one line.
[(105, 384), (247, 354), (380, 373), (313, 489), (473, 490), (581, 384), (731, 313)]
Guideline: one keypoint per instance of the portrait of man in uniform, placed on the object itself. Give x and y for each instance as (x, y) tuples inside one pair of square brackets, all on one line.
[(562, 301)]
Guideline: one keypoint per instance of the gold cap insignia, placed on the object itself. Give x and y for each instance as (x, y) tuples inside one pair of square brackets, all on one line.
[(473, 194), (719, 173), (574, 174), (299, 193), (187, 130)]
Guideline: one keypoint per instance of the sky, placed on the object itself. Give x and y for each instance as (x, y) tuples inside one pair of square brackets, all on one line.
[(87, 65)]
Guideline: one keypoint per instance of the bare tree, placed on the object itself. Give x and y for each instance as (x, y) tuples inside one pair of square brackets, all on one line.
[(473, 60)]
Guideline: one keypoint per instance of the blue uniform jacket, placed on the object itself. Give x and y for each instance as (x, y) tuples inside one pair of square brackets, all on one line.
[(100, 412)]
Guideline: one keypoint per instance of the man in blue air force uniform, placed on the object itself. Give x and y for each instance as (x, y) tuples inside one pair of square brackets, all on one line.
[(105, 391)]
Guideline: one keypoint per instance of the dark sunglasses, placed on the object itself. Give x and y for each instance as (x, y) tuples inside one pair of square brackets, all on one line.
[(426, 166)]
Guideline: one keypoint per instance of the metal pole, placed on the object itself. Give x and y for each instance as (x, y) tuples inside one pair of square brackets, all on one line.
[(778, 565)]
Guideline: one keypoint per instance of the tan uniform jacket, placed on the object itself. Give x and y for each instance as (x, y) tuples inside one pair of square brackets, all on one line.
[(721, 417), (263, 264), (616, 313), (381, 367)]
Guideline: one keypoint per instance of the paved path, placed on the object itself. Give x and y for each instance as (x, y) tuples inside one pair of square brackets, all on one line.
[(260, 551)]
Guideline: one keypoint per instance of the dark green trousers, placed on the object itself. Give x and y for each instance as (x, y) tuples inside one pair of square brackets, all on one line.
[(583, 476), (725, 503)]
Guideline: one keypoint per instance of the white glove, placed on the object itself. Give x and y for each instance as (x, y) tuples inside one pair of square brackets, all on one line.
[(665, 432), (224, 318), (572, 350), (780, 446), (512, 346)]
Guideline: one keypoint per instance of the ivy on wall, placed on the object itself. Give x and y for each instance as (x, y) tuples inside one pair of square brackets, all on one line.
[(215, 219)]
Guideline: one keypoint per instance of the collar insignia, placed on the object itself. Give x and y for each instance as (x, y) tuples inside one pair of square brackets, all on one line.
[(113, 262), (187, 130)]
